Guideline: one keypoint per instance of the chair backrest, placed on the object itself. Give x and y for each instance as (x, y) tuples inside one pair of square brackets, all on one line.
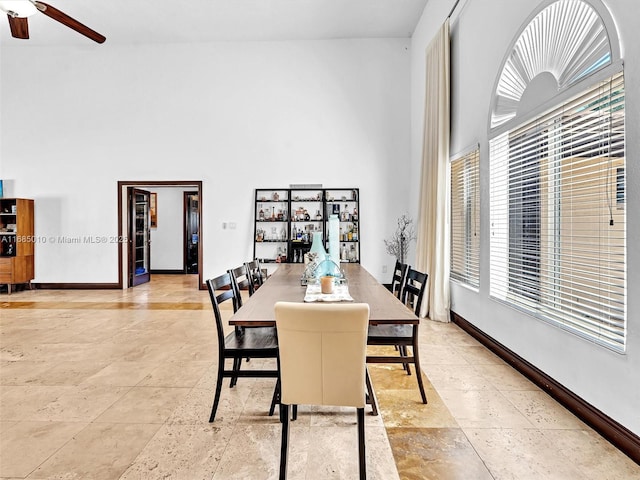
[(255, 273), (322, 353), (241, 280), (220, 290), (398, 279), (414, 287)]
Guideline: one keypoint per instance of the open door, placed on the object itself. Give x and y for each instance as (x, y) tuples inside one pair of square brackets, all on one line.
[(191, 232), (139, 236)]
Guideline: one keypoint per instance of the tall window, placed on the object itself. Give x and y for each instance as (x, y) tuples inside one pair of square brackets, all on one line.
[(557, 174), (465, 219), (557, 228)]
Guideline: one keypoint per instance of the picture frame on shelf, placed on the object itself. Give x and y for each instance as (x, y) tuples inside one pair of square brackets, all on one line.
[(153, 210)]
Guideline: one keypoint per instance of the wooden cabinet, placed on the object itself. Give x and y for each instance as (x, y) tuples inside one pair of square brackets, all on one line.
[(16, 241), (286, 220)]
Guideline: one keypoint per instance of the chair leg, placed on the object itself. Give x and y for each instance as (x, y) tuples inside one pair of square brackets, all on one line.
[(416, 359), (371, 393), (275, 399), (295, 412), (361, 446), (403, 352), (216, 398), (284, 446), (236, 367)]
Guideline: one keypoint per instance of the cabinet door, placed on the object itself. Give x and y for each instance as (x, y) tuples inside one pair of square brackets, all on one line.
[(139, 235)]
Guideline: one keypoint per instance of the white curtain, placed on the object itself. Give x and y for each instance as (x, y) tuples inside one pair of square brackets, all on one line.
[(432, 255)]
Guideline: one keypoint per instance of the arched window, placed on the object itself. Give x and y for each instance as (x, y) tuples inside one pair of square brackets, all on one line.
[(557, 162)]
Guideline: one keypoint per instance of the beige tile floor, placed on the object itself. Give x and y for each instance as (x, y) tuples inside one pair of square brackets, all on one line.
[(118, 385)]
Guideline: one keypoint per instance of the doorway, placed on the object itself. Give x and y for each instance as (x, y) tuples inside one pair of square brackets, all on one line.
[(191, 232), (124, 219)]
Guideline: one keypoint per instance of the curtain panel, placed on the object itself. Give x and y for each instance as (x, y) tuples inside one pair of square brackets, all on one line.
[(432, 247)]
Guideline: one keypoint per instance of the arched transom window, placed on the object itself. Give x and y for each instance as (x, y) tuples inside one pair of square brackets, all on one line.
[(562, 44)]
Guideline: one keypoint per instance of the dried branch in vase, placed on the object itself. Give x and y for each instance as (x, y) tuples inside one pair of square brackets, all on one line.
[(398, 244)]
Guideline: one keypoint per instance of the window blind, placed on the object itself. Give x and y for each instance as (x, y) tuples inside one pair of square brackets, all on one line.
[(558, 222), (465, 219)]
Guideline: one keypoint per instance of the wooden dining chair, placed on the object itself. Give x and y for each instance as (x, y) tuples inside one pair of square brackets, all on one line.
[(398, 278), (254, 269), (241, 280), (413, 290), (403, 336), (322, 362), (257, 342)]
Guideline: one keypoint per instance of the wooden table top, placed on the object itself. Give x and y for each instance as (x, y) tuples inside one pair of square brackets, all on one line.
[(284, 285)]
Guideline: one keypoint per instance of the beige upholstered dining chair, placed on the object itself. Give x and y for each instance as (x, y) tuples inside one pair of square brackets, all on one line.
[(322, 352)]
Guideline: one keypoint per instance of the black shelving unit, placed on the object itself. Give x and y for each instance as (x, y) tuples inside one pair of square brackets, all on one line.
[(286, 219)]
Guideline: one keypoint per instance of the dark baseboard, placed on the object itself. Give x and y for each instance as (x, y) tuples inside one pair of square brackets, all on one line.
[(625, 440), (76, 286)]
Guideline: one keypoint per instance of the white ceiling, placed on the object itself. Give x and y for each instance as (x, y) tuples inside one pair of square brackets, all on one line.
[(127, 22)]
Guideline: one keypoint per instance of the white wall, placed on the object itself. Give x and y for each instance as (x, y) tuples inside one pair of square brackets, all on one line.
[(167, 242), (235, 115), (480, 37)]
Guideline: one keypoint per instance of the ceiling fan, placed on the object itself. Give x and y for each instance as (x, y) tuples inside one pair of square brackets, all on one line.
[(18, 12)]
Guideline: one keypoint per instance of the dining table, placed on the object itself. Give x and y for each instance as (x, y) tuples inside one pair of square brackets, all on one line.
[(286, 285)]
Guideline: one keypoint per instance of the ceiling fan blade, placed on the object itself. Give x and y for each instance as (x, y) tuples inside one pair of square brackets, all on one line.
[(65, 19), (19, 27)]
